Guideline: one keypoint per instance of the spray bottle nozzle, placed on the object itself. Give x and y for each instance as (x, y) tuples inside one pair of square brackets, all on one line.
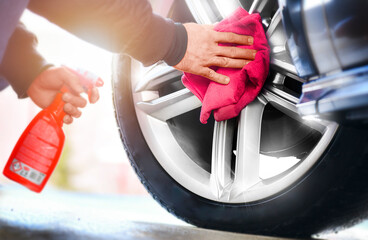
[(87, 79)]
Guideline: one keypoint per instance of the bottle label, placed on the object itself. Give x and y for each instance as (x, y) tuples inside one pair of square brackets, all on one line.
[(27, 172)]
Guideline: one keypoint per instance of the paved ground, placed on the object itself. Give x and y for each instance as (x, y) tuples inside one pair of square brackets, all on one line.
[(65, 215)]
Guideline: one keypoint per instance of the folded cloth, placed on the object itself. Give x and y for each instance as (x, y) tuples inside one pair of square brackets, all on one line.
[(227, 101)]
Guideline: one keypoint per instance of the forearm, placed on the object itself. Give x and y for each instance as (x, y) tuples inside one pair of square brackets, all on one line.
[(21, 62), (127, 26)]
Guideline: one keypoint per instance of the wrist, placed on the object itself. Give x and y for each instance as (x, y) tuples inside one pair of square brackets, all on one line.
[(178, 47)]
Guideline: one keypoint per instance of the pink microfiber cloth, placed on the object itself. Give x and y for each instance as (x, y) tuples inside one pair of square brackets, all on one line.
[(227, 101)]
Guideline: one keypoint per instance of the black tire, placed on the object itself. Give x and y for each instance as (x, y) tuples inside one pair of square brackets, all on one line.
[(332, 195)]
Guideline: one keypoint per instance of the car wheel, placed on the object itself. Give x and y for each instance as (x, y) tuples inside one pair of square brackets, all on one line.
[(268, 171)]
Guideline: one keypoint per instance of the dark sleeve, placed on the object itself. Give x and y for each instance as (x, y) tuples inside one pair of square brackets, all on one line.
[(21, 62), (127, 26)]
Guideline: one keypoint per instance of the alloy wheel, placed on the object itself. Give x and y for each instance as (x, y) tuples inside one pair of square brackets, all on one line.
[(264, 151)]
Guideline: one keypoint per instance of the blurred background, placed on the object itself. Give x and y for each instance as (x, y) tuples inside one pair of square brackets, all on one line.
[(93, 159)]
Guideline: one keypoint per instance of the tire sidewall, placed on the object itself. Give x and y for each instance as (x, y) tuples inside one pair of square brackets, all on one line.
[(293, 212)]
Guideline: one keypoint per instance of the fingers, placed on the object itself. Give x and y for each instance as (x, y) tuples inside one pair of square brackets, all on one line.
[(72, 103), (228, 37), (76, 101), (71, 110), (214, 76), (228, 62), (67, 119), (93, 95), (235, 52)]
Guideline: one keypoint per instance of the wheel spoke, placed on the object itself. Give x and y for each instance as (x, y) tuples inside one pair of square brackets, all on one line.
[(286, 103), (201, 11), (258, 6), (226, 7), (280, 57), (279, 79), (248, 145), (170, 105), (156, 77), (221, 158)]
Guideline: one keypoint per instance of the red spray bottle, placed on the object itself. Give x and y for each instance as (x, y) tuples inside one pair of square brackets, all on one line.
[(38, 150)]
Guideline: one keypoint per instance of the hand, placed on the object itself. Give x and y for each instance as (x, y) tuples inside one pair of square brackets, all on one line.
[(203, 51), (48, 83)]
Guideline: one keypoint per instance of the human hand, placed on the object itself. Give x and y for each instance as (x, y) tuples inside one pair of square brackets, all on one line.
[(203, 52), (49, 82)]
